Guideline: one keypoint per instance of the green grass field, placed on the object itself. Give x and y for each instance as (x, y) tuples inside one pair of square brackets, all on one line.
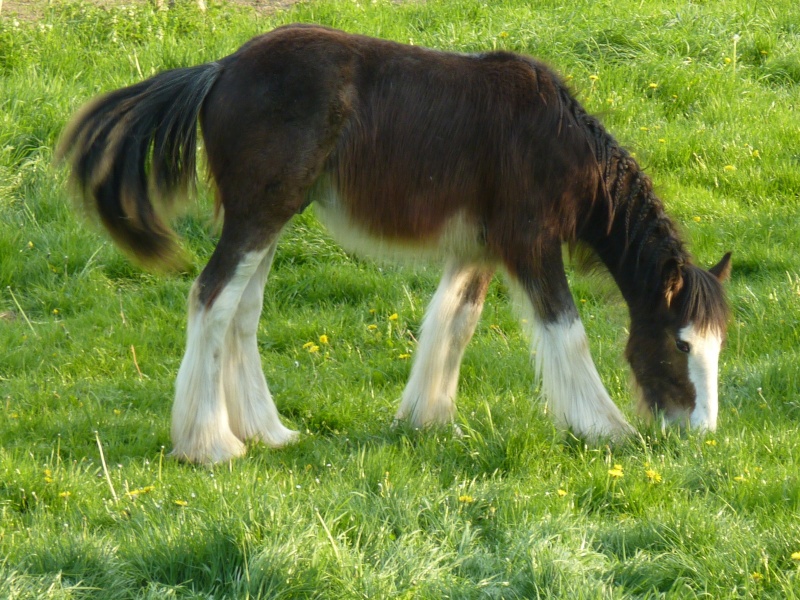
[(90, 344)]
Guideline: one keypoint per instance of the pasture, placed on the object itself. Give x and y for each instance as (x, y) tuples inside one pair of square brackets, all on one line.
[(705, 94)]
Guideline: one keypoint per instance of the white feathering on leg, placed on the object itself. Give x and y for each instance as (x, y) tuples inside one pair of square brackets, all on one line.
[(251, 410), (570, 383), (200, 428), (429, 395)]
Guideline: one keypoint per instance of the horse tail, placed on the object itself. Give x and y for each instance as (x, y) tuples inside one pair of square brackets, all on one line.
[(133, 150)]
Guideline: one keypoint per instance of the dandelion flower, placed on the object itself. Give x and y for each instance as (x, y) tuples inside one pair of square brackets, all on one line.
[(616, 472), (404, 356), (711, 442), (503, 34), (65, 495), (728, 168), (466, 499), (594, 77), (696, 219), (372, 327), (653, 476), (740, 478), (313, 349), (796, 556), (653, 86), (561, 493), (727, 60), (323, 339), (145, 490), (393, 317), (644, 128), (757, 577), (756, 154), (181, 503)]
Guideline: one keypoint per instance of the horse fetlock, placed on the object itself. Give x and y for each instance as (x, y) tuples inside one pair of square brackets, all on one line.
[(208, 446)]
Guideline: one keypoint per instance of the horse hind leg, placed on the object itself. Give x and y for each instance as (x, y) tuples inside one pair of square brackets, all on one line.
[(200, 427), (429, 395), (251, 411)]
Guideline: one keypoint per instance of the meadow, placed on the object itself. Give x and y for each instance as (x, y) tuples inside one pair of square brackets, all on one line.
[(707, 95)]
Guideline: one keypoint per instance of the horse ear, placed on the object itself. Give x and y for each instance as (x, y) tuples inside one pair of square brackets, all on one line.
[(673, 282), (722, 270)]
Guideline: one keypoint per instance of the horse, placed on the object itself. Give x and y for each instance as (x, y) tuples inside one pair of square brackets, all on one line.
[(484, 161)]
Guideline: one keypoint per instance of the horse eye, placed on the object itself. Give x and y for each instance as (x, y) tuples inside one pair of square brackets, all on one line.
[(683, 346)]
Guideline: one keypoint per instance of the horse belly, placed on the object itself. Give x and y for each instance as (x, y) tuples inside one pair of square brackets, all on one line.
[(441, 236)]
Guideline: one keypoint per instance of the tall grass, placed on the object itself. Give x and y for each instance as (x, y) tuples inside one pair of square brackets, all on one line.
[(89, 344)]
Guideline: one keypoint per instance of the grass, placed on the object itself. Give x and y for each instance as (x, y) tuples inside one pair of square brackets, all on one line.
[(89, 345)]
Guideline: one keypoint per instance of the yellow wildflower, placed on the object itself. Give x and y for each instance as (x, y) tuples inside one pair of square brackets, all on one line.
[(561, 493), (466, 499), (653, 476), (65, 495), (696, 219), (756, 154), (796, 556), (181, 503), (729, 168), (757, 577), (616, 472), (393, 317), (146, 489), (323, 339), (372, 327), (313, 348), (711, 442), (740, 478), (503, 34), (653, 85), (727, 60), (404, 356), (593, 77)]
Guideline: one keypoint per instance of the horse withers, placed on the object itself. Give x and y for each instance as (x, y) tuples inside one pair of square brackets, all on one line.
[(484, 160)]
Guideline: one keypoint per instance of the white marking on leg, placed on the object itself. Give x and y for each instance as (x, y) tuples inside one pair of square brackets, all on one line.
[(251, 410), (703, 360), (200, 428), (429, 395), (570, 383)]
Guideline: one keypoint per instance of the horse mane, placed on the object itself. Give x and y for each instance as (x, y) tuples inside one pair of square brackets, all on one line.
[(627, 231)]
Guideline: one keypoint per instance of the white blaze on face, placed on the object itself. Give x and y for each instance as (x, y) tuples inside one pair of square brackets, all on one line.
[(703, 367)]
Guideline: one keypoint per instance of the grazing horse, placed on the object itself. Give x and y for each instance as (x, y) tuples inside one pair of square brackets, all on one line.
[(485, 160)]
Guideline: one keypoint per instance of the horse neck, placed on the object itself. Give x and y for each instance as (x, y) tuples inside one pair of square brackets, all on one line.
[(630, 232)]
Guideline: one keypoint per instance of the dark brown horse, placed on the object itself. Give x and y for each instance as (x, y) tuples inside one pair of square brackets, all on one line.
[(485, 160)]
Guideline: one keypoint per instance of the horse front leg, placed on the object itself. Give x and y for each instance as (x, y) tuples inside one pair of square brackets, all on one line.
[(570, 383), (429, 396)]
